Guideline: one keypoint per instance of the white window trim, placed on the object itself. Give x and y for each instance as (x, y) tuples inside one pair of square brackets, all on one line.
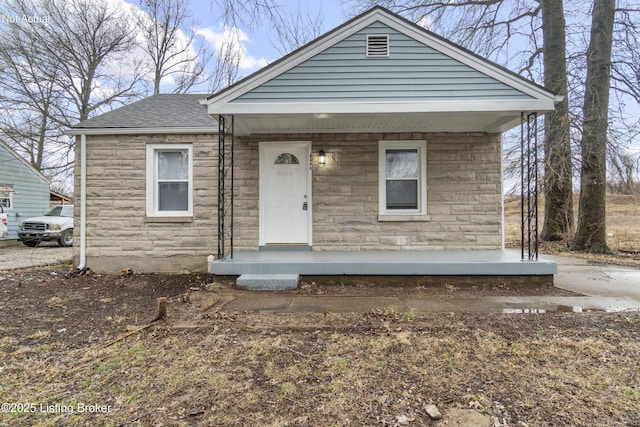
[(152, 181), (419, 214), (9, 191)]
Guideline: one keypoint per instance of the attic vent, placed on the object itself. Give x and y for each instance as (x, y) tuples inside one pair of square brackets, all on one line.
[(377, 46)]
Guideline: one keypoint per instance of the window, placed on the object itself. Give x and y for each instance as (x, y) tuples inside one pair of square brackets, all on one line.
[(402, 170), (287, 159), (6, 197), (169, 180)]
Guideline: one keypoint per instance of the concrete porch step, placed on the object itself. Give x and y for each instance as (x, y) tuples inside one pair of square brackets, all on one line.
[(268, 282)]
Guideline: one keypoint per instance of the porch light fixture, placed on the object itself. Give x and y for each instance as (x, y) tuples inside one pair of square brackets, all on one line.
[(322, 158)]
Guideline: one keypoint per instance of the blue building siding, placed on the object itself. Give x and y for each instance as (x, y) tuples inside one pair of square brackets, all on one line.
[(31, 191), (412, 71)]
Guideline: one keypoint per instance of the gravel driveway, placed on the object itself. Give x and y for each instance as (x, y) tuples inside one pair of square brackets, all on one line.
[(13, 257)]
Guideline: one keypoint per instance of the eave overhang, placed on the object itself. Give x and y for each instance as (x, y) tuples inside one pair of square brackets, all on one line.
[(141, 131)]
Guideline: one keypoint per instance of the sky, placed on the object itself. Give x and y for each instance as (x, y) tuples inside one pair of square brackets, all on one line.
[(259, 43)]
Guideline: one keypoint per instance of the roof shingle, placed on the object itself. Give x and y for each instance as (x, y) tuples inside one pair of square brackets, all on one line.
[(157, 111)]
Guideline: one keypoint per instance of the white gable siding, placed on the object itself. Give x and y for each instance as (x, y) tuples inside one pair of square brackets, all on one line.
[(411, 72)]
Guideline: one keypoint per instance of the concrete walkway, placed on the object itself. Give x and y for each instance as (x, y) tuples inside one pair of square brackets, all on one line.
[(602, 288)]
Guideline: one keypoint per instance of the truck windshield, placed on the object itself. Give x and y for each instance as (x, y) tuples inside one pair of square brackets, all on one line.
[(61, 211)]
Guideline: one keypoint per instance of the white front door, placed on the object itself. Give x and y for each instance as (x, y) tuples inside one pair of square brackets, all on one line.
[(285, 193)]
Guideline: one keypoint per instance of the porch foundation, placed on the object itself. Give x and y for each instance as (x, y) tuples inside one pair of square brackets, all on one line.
[(462, 264)]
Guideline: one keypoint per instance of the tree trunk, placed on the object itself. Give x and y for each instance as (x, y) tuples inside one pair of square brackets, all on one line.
[(591, 233), (558, 185)]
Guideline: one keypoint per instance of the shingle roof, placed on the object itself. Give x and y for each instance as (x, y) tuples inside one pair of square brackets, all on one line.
[(157, 111)]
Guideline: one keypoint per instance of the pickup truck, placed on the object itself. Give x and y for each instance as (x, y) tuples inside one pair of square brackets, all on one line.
[(57, 224), (4, 224)]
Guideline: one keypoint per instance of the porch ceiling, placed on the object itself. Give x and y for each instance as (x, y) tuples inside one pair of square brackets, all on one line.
[(490, 122)]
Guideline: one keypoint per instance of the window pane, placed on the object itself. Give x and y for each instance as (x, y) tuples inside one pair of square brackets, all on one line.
[(173, 164), (402, 194), (287, 159), (173, 196), (402, 163), (5, 200)]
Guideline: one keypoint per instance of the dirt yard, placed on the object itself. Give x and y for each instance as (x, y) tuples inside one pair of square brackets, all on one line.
[(64, 360)]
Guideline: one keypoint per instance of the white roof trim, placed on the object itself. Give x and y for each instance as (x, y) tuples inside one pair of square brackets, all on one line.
[(543, 96), (386, 107), (139, 131)]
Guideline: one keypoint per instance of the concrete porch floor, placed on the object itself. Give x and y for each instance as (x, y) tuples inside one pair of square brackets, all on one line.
[(386, 263)]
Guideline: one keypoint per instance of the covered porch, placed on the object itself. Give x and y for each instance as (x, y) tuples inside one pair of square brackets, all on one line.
[(450, 263)]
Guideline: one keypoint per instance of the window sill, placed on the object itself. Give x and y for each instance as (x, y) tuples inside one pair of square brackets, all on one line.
[(168, 219), (407, 218)]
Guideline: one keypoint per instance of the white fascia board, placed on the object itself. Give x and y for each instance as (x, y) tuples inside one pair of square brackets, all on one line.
[(527, 105), (140, 131)]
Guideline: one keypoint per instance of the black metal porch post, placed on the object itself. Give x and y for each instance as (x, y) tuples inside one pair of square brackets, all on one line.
[(529, 185), (225, 194)]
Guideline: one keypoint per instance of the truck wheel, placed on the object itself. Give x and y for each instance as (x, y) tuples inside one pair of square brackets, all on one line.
[(67, 238)]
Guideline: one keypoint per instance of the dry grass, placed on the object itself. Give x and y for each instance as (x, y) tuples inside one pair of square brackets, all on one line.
[(243, 369), (623, 230)]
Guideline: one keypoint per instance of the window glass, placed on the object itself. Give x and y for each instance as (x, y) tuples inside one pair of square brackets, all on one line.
[(402, 163), (173, 196), (173, 176), (287, 159), (6, 191), (5, 200), (173, 165), (402, 194), (169, 180), (402, 179)]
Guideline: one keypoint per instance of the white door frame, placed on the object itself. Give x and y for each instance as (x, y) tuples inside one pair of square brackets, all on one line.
[(263, 145)]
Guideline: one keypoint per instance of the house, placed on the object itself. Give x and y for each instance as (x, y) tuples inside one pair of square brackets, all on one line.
[(24, 191), (58, 199), (374, 149)]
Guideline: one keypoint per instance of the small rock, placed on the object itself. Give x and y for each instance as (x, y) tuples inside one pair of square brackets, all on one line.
[(433, 412), (403, 420), (484, 402)]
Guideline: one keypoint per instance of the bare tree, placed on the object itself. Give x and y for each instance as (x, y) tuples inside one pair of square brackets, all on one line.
[(591, 231), (173, 52), (558, 184), (62, 61), (227, 64), (248, 12), (29, 97), (296, 29), (291, 30)]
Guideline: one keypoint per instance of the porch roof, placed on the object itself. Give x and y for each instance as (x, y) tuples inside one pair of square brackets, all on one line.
[(423, 83)]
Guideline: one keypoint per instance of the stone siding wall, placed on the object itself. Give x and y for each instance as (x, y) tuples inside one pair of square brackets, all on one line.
[(464, 187), (118, 236), (463, 199)]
